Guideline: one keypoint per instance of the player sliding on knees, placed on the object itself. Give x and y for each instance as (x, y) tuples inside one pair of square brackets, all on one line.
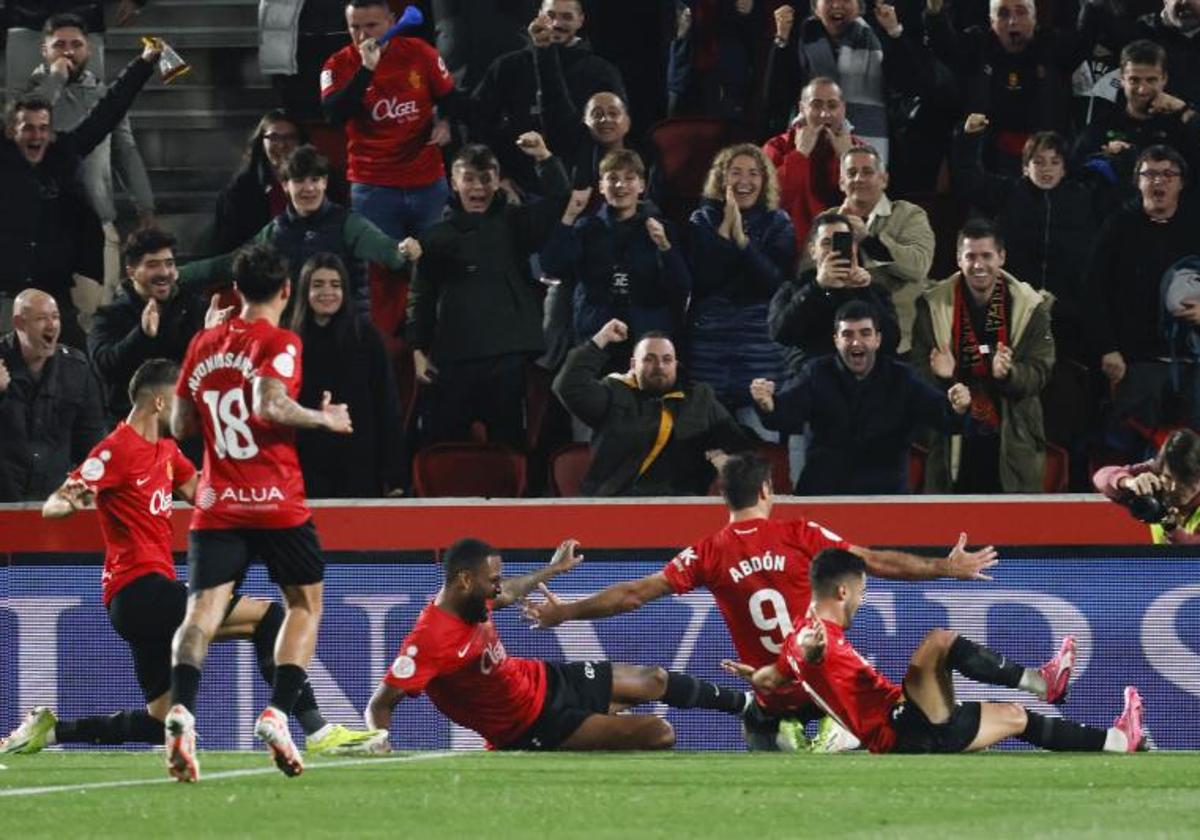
[(132, 476), (757, 571), (454, 655), (922, 715)]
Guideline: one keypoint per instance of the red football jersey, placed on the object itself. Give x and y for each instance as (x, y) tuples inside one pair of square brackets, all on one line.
[(757, 571), (468, 675), (251, 476), (388, 141), (133, 480), (847, 687)]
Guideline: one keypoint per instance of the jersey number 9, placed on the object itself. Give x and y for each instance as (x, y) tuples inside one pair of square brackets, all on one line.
[(778, 620)]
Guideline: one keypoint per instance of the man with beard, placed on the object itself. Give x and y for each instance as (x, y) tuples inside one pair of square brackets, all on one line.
[(862, 410), (987, 329), (1134, 248), (1150, 117), (455, 655), (152, 316), (65, 80), (649, 436), (50, 410), (1017, 75), (807, 155)]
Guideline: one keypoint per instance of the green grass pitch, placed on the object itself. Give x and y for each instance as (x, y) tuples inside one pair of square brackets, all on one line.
[(464, 795)]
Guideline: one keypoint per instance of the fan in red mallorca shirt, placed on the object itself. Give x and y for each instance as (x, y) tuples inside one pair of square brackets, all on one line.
[(132, 475), (922, 715), (238, 386), (385, 95), (757, 571), (454, 655)]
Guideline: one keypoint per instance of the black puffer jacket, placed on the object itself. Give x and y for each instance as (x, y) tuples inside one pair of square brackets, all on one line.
[(48, 425), (473, 296)]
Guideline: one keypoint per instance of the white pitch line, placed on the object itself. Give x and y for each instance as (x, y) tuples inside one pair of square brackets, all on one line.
[(223, 774)]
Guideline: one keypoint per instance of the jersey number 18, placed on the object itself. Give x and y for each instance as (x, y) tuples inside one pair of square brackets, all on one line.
[(232, 437)]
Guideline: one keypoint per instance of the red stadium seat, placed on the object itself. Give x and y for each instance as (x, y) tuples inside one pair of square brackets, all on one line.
[(684, 148), (1058, 470), (916, 468), (568, 466), (469, 469)]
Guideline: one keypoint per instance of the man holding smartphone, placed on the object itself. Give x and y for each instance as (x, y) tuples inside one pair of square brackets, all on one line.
[(803, 309)]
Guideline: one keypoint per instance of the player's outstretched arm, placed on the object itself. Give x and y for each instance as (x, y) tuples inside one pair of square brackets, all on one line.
[(959, 563), (272, 404), (619, 598), (73, 495), (513, 590), (378, 715), (766, 679)]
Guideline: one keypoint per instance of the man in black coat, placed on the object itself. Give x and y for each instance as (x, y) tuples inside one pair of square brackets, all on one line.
[(151, 317), (1133, 249), (474, 309), (47, 230), (50, 411), (650, 437), (803, 309), (517, 89), (863, 410)]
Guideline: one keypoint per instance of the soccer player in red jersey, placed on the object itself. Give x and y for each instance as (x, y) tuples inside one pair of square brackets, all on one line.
[(385, 95), (454, 655), (921, 715), (757, 571), (133, 475), (238, 386)]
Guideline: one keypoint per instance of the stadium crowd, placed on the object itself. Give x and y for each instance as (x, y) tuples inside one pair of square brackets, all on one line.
[(942, 246)]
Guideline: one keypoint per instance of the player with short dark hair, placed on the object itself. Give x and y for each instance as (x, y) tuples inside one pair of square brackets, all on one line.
[(238, 386), (454, 655), (757, 571), (922, 715), (132, 475)]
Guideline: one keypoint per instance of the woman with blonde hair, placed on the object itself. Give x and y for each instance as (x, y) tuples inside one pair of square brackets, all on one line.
[(742, 247)]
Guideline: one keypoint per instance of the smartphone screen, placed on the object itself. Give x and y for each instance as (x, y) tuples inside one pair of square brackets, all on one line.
[(843, 244)]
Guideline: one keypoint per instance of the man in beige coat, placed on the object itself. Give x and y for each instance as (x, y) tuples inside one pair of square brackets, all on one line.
[(989, 330), (894, 237)]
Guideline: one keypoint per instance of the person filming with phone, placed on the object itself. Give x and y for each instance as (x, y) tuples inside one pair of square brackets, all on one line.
[(803, 309)]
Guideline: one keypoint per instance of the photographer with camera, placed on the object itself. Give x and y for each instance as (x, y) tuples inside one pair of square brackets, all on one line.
[(1163, 492)]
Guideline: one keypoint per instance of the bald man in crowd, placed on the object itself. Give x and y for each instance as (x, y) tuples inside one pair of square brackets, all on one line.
[(51, 413)]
